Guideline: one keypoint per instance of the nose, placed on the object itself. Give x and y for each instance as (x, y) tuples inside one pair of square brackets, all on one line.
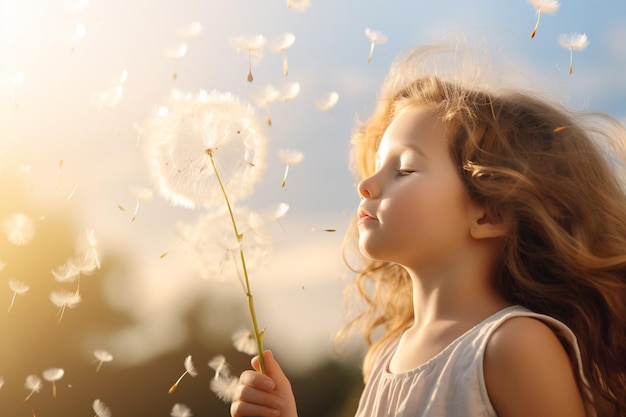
[(367, 188)]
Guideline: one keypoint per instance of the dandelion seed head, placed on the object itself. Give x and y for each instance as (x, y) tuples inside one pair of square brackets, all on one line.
[(225, 387), (292, 91), (191, 30), (177, 52), (545, 6), (290, 157), (375, 36), (213, 247), (180, 410), (244, 342), (299, 5), (179, 144), (282, 42), (100, 408), (33, 383), (191, 370), (18, 287), (53, 374), (574, 41), (327, 102), (18, 228), (102, 355), (220, 366), (64, 298)]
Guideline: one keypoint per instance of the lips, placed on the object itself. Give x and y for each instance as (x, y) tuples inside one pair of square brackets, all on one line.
[(364, 216)]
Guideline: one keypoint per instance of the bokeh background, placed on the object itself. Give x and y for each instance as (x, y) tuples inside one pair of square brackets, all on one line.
[(78, 81)]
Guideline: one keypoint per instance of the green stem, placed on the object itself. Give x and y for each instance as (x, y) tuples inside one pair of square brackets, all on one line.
[(258, 335)]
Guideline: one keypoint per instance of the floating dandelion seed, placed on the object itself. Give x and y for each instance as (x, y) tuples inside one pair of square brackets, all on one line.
[(178, 147), (213, 248), (328, 102), (80, 31), (244, 342), (268, 96), (289, 158), (164, 254), (19, 228), (89, 258), (64, 299), (178, 52), (59, 174), (101, 357), (180, 410), (18, 288), (1, 382), (141, 194), (220, 366), (190, 31), (18, 79), (71, 194), (291, 91), (252, 44), (299, 5), (33, 385), (100, 409), (543, 6), (224, 387), (281, 44), (139, 130), (66, 272), (375, 38), (53, 375), (189, 369), (574, 41)]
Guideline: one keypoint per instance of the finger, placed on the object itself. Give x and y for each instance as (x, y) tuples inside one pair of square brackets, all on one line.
[(250, 395), (257, 380), (243, 409), (272, 369)]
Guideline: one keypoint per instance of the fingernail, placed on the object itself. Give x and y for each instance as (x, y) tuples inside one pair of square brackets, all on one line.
[(269, 384)]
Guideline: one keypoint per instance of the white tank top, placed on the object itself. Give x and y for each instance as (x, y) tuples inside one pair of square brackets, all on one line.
[(451, 383)]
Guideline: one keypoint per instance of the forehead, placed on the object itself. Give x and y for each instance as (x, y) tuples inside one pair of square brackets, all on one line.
[(415, 127)]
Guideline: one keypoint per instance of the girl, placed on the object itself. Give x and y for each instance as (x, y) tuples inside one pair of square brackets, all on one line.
[(495, 229)]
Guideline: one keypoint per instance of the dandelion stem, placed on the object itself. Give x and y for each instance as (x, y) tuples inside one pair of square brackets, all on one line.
[(534, 32), (258, 335), (571, 60), (12, 301), (250, 78)]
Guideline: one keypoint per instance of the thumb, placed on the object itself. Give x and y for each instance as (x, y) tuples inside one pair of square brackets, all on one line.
[(272, 369)]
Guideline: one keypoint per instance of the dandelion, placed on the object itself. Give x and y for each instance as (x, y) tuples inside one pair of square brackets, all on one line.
[(225, 387), (53, 375), (268, 96), (141, 194), (251, 44), (190, 31), (289, 158), (189, 369), (64, 299), (220, 366), (197, 130), (243, 340), (281, 44), (33, 385), (100, 409), (299, 5), (375, 38), (328, 102), (180, 410), (543, 6), (574, 41), (214, 249), (18, 288), (101, 357), (19, 228)]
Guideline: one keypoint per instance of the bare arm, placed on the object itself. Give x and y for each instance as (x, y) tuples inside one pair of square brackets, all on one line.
[(528, 372), (268, 395)]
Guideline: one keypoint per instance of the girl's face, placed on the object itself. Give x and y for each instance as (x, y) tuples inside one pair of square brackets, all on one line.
[(415, 211)]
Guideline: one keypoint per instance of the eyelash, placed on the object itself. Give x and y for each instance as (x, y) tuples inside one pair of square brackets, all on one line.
[(404, 172)]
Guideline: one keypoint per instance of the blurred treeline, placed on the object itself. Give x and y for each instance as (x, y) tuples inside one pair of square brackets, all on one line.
[(32, 339)]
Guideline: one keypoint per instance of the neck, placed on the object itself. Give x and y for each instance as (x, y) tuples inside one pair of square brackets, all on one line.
[(456, 291)]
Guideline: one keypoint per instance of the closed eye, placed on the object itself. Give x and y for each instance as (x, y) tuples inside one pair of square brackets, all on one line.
[(404, 172)]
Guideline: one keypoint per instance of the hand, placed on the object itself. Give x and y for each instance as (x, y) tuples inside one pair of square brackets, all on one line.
[(260, 395)]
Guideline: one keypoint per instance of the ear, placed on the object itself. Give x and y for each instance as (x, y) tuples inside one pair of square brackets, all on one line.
[(489, 225)]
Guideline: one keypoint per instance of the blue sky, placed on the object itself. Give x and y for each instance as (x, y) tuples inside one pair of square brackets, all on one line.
[(49, 112)]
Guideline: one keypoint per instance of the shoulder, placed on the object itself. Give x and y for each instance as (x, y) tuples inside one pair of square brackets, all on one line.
[(528, 371)]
